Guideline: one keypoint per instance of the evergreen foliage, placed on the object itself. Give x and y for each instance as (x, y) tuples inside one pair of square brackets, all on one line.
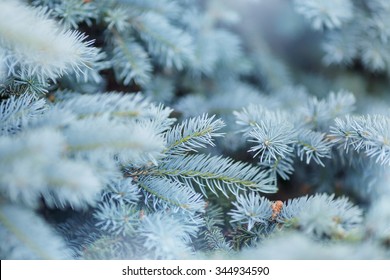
[(140, 129)]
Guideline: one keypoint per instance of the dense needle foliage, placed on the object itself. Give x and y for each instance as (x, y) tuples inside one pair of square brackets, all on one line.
[(178, 129)]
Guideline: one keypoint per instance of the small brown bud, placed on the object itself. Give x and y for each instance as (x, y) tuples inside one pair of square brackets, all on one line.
[(276, 208)]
